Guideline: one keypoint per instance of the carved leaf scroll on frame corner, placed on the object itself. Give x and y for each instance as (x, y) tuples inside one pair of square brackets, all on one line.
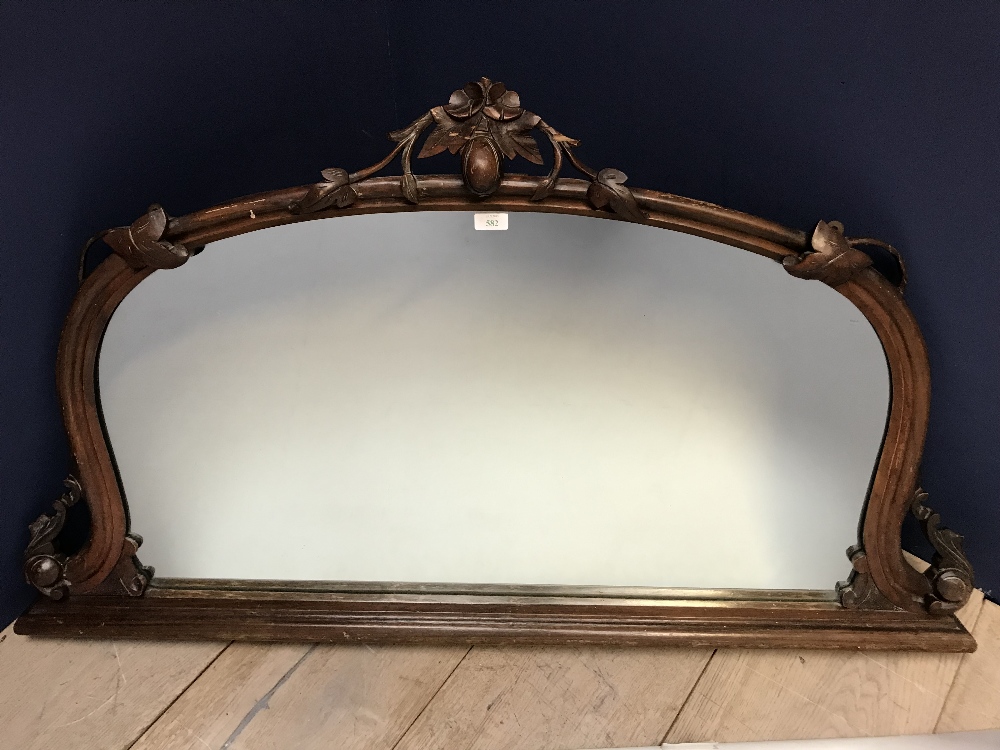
[(103, 590)]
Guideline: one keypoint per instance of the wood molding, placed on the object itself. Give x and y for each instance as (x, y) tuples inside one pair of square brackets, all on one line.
[(340, 617), (485, 124)]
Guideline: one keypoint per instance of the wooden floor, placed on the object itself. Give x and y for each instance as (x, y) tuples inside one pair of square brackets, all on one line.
[(121, 694)]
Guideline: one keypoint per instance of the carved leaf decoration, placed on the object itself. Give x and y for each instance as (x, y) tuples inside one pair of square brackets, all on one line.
[(483, 112), (409, 186), (449, 134), (345, 196), (514, 137), (832, 260), (608, 190), (459, 120), (526, 145), (45, 528), (336, 175), (141, 245), (410, 131), (334, 192)]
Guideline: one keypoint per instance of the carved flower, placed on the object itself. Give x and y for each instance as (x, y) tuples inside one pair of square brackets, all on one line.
[(503, 104), (492, 99), (466, 101), (483, 108)]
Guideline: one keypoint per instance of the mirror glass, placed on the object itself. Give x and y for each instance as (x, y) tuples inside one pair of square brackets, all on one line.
[(399, 397)]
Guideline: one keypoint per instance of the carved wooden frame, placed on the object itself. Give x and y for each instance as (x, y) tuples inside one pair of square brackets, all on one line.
[(104, 591)]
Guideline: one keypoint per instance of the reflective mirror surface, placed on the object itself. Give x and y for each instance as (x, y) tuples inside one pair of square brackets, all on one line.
[(399, 397)]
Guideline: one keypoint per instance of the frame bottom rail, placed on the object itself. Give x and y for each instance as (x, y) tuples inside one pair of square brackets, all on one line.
[(346, 618)]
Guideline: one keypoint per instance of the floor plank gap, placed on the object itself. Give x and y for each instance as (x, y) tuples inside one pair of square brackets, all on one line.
[(166, 708), (431, 700), (694, 686)]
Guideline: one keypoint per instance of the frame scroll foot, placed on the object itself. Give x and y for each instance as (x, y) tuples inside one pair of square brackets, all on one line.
[(950, 572), (44, 567)]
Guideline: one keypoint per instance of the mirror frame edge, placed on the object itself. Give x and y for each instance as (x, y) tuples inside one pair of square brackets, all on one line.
[(886, 603)]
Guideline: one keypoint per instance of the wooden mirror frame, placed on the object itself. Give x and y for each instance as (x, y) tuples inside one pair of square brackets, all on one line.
[(104, 591)]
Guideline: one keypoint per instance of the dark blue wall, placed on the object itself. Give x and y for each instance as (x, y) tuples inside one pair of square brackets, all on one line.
[(885, 116)]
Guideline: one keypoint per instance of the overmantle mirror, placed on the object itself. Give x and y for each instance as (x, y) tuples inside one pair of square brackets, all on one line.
[(492, 407)]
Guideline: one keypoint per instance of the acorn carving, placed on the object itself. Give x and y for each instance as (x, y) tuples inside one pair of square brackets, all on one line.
[(482, 166)]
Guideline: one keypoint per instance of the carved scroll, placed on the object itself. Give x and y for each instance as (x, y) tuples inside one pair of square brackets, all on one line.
[(130, 577), (950, 572), (859, 591), (44, 568), (485, 124)]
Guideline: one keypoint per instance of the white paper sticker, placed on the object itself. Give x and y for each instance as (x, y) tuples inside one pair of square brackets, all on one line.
[(491, 221)]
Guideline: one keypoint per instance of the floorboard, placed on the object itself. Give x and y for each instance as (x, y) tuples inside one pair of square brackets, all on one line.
[(749, 695), (305, 697), (148, 696), (558, 698), (90, 694), (974, 700), (211, 710)]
